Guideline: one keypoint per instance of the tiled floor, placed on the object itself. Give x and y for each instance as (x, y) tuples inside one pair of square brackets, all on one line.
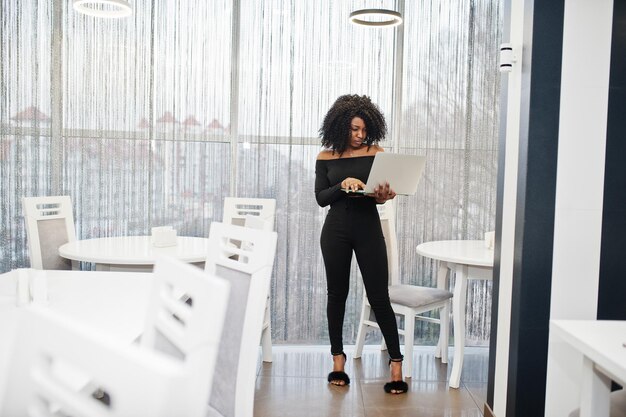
[(294, 384)]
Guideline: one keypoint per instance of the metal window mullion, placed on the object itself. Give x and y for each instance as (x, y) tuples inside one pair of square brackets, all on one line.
[(56, 100), (469, 96), (234, 94), (398, 62), (398, 58)]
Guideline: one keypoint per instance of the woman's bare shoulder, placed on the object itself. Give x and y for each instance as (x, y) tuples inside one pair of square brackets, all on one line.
[(326, 154), (375, 149)]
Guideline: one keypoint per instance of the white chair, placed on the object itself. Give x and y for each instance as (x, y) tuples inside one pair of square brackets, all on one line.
[(184, 320), (409, 301), (49, 224), (50, 349), (236, 209), (249, 274), (257, 213)]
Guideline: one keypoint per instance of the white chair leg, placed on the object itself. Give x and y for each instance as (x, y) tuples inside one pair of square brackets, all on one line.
[(439, 344), (444, 331), (458, 316), (266, 343), (409, 333), (595, 393), (360, 337), (442, 283), (266, 335)]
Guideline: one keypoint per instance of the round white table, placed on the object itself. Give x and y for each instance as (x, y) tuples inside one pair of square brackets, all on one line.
[(133, 253), (468, 259)]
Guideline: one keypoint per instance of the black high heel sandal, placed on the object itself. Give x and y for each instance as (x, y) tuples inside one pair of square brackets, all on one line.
[(339, 375), (400, 387)]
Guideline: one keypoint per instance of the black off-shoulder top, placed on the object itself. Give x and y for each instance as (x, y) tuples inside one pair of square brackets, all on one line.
[(329, 173)]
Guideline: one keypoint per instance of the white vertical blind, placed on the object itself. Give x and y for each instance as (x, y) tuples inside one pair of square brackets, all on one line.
[(145, 108)]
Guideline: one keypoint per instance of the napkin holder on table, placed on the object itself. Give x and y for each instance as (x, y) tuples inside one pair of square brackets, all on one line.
[(490, 238), (163, 236)]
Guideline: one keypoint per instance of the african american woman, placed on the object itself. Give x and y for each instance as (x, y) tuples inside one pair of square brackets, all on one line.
[(350, 134)]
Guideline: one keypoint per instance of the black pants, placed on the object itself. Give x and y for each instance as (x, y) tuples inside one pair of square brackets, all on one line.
[(353, 224)]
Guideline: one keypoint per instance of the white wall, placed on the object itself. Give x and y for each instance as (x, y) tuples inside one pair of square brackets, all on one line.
[(579, 187)]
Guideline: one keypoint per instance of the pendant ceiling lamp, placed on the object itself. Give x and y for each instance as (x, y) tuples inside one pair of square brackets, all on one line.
[(376, 17), (104, 8)]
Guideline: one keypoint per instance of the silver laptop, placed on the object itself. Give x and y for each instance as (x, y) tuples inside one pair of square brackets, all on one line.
[(402, 172)]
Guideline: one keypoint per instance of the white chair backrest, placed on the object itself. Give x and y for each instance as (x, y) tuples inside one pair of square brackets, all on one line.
[(256, 222), (185, 318), (49, 224), (387, 213), (249, 275), (50, 349), (236, 209), (255, 251)]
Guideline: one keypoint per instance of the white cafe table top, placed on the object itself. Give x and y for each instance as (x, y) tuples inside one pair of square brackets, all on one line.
[(602, 341), (134, 250), (112, 302), (466, 252)]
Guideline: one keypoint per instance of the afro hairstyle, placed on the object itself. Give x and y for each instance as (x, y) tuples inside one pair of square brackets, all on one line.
[(335, 130)]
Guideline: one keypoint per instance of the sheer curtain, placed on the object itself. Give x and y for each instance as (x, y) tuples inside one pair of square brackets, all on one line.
[(139, 97), (450, 114), (302, 57), (132, 119)]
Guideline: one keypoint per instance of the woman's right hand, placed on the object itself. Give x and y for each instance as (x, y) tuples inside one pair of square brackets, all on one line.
[(383, 192), (352, 184)]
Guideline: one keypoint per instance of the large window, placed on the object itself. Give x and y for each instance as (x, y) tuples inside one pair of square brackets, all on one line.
[(132, 119)]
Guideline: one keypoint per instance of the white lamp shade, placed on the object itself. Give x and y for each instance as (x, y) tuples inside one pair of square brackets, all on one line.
[(376, 17)]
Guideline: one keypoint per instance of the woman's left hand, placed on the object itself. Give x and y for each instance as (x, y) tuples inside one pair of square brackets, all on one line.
[(383, 193)]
